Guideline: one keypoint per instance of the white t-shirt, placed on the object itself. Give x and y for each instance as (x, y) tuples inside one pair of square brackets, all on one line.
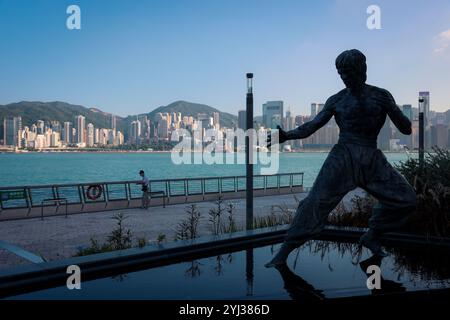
[(145, 181)]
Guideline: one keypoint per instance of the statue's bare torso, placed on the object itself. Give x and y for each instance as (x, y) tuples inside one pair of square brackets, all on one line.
[(358, 116)]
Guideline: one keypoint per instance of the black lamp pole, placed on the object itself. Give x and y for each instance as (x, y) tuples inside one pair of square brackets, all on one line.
[(421, 133), (249, 154)]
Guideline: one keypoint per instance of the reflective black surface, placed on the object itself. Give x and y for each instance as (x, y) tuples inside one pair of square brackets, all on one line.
[(316, 271)]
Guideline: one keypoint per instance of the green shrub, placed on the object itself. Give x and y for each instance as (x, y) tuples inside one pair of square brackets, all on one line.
[(119, 239), (432, 186), (357, 216), (187, 229)]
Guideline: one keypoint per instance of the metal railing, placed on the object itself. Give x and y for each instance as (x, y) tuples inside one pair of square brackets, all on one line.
[(105, 192), (56, 201)]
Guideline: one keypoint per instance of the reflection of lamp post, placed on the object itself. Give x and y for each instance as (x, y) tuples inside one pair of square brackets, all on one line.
[(249, 154), (421, 133), (249, 271)]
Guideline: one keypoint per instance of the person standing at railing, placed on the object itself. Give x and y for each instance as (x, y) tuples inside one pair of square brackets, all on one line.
[(145, 190)]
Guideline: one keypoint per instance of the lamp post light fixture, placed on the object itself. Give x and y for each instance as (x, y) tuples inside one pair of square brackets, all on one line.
[(249, 154), (421, 133)]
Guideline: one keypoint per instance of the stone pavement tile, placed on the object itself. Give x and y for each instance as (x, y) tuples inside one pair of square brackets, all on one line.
[(59, 237)]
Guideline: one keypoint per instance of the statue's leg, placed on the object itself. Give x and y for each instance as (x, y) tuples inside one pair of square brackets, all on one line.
[(334, 181), (397, 198)]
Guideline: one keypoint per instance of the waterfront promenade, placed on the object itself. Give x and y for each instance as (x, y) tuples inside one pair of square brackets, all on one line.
[(58, 237)]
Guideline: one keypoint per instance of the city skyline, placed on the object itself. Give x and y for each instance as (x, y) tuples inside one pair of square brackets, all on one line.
[(128, 59), (164, 127)]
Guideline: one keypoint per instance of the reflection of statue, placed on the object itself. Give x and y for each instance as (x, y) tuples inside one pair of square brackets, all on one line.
[(360, 111), (297, 287), (386, 286)]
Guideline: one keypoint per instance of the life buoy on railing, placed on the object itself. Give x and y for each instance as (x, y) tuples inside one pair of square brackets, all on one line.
[(94, 192)]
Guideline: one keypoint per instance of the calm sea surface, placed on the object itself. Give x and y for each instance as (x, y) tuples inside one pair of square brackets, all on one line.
[(49, 168)]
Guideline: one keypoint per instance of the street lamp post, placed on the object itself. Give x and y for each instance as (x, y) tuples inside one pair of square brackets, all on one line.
[(421, 133), (249, 153)]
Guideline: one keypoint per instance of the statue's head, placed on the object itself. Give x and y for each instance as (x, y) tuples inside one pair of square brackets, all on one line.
[(351, 66)]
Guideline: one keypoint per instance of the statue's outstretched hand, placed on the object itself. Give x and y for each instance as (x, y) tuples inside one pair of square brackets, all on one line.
[(282, 137)]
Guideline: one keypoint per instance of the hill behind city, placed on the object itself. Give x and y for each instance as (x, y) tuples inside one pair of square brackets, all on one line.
[(31, 111)]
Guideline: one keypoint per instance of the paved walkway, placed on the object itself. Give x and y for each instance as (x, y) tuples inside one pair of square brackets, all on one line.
[(59, 237)]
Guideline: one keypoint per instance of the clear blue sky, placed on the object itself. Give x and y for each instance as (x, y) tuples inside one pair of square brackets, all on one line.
[(132, 56)]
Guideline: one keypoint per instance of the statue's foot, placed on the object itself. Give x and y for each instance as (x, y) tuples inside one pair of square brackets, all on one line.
[(281, 256), (275, 263), (371, 241)]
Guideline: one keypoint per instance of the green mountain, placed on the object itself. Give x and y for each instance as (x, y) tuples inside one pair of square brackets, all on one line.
[(59, 111), (62, 111), (191, 109)]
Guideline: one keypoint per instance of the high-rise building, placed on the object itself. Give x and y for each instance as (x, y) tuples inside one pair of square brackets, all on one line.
[(162, 125), (55, 141), (406, 140), (163, 128), (447, 117), (103, 137), (299, 120), (96, 135), (439, 135), (67, 133), (80, 123), (272, 114), (384, 136), (144, 128), (113, 122), (40, 142), (111, 137), (11, 127), (206, 120), (216, 118), (118, 139), (289, 121), (55, 126), (90, 135), (40, 126), (242, 119), (135, 132), (73, 138), (315, 109), (407, 111)]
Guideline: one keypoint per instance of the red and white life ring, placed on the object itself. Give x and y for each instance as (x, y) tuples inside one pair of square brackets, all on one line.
[(94, 192)]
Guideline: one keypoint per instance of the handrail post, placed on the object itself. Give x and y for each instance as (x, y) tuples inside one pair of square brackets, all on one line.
[(168, 190), (203, 188), (28, 199), (81, 195), (265, 184), (128, 193), (106, 193)]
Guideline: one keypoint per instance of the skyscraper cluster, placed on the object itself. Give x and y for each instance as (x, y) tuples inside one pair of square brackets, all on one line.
[(143, 130), (437, 126), (53, 134)]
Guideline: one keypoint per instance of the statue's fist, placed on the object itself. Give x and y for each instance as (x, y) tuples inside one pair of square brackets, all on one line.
[(271, 137)]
